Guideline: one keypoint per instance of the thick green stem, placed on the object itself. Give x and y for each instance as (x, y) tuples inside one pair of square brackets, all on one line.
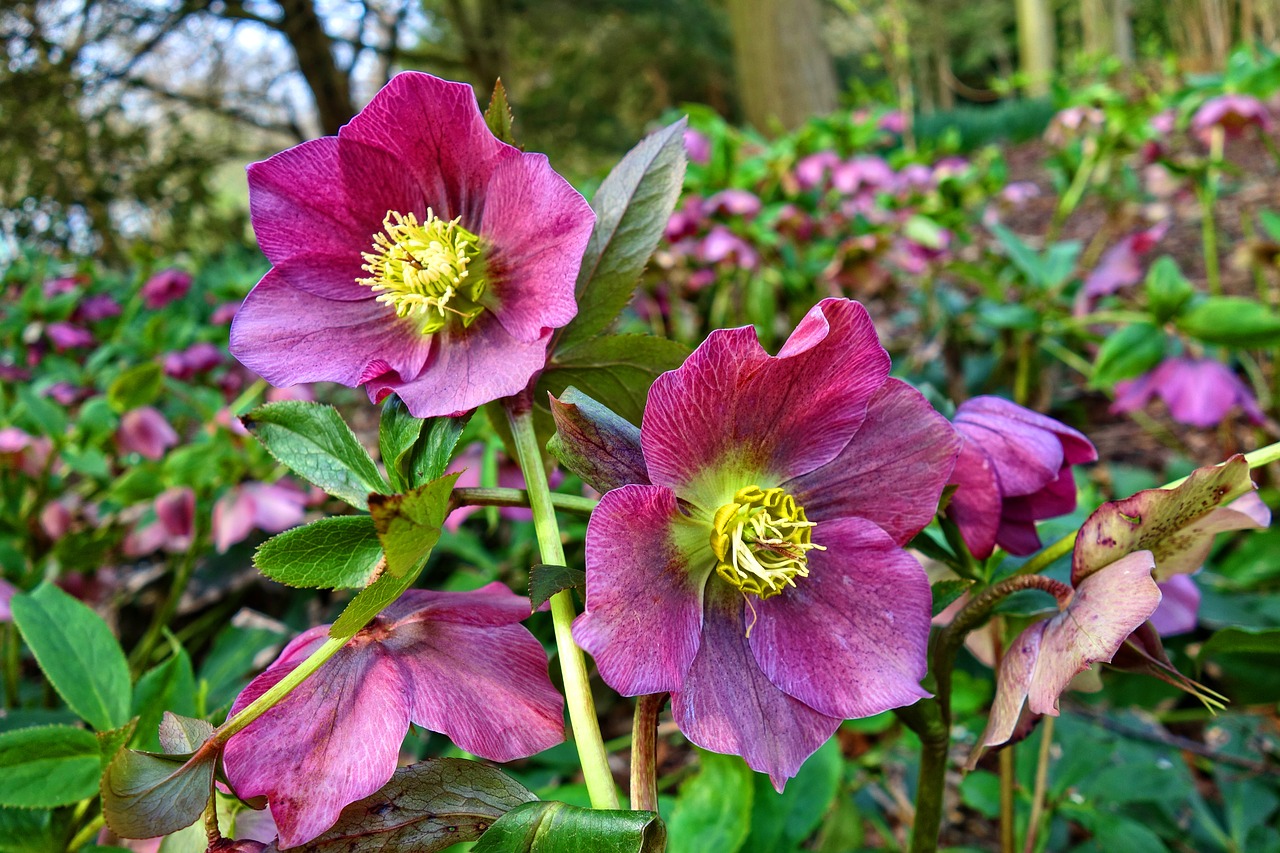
[(644, 758), (518, 497), (181, 578), (926, 719), (1042, 784), (573, 666), (1008, 836), (1208, 199)]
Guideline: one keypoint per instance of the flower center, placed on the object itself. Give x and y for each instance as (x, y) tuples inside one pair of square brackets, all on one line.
[(429, 271), (761, 541)]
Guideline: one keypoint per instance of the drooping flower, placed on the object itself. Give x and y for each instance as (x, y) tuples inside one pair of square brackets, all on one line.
[(1014, 470), (697, 145), (413, 252), (1199, 392), (168, 285), (1233, 113), (458, 663), (757, 574), (1094, 620), (198, 358), (1121, 265), (99, 306), (145, 431)]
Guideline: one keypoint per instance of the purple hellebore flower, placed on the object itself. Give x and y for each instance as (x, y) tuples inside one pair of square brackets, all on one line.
[(812, 171), (198, 358), (1179, 606), (413, 252), (1093, 623), (166, 286), (1199, 392), (697, 146), (65, 336), (458, 663), (1121, 265), (27, 453), (734, 202), (1014, 470), (723, 246), (894, 121), (97, 307), (224, 313), (61, 285), (870, 173), (145, 431), (270, 507), (7, 592), (1233, 113), (758, 573)]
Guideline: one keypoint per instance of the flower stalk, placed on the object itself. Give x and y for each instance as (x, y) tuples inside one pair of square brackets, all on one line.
[(644, 745), (573, 666)]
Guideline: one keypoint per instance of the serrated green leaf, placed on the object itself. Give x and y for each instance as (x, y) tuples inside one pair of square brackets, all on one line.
[(434, 449), (50, 766), (550, 827), (632, 208), (713, 811), (425, 807), (332, 553), (1233, 321), (545, 581), (169, 686), (1130, 352), (315, 442), (1168, 290), (498, 115), (138, 386), (78, 654), (397, 432), (145, 795), (110, 743)]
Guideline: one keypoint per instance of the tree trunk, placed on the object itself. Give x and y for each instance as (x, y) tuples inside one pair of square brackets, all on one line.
[(1035, 45), (785, 75), (328, 83)]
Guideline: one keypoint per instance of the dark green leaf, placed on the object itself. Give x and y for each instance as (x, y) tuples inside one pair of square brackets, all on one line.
[(614, 370), (549, 827), (1233, 321), (1127, 353), (545, 581), (145, 794), (498, 116), (1270, 221), (315, 442), (946, 592), (425, 807), (137, 386), (1241, 640), (332, 553), (397, 432), (714, 808), (169, 686), (434, 449), (181, 735), (49, 766), (594, 443), (1025, 258), (1167, 288), (783, 821), (78, 653), (408, 526), (632, 207), (26, 831)]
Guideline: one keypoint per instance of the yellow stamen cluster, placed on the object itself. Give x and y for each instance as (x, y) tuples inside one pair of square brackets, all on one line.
[(428, 270), (761, 541)]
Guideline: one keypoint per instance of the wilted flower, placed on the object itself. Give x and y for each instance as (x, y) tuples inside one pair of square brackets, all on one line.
[(458, 663), (1120, 265), (1199, 392), (1014, 470), (166, 286), (413, 252), (1179, 608), (1232, 113), (758, 574), (145, 431), (269, 507)]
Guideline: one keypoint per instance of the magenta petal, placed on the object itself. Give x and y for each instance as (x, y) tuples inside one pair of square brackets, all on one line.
[(975, 506), (492, 604), (1018, 537), (288, 336), (850, 640), (904, 445), (733, 405), (1108, 606), (1058, 497), (486, 687), (726, 703), (538, 226), (644, 591), (319, 749), (468, 368), (434, 128), (1179, 608)]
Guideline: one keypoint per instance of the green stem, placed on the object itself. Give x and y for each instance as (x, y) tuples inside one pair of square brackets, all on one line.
[(573, 666), (644, 746), (1208, 197), (925, 718), (87, 833), (1008, 836), (1042, 783), (967, 565), (1079, 183), (181, 578), (518, 497), (281, 689), (12, 665)]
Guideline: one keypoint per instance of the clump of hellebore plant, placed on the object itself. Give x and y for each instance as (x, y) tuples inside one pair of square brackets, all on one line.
[(754, 566), (412, 253)]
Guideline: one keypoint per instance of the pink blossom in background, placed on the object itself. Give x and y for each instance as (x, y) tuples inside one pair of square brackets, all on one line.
[(949, 167), (861, 173), (224, 313), (303, 393), (1233, 113), (173, 528), (812, 171), (198, 358), (469, 464), (1014, 470), (722, 246), (269, 507), (734, 202), (1179, 608), (697, 145), (1121, 265), (55, 520), (1164, 122), (687, 220), (1199, 392), (62, 285), (458, 663), (145, 431), (23, 451), (166, 286), (894, 121), (1073, 122), (410, 250), (914, 177), (66, 394), (65, 336), (95, 308), (7, 592)]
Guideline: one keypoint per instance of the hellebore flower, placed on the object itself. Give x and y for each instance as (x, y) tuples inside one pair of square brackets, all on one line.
[(697, 145), (65, 336), (95, 308), (1199, 392), (414, 253), (458, 663), (270, 507), (195, 359), (757, 572), (1094, 621), (1014, 470), (734, 202), (23, 451), (145, 431), (1179, 608), (1233, 113), (1120, 265), (164, 287)]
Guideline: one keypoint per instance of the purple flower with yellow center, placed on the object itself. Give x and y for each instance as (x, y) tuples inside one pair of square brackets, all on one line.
[(413, 252), (452, 662), (753, 565)]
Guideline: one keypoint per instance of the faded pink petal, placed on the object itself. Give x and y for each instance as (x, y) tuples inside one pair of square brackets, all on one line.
[(1233, 113), (276, 506), (176, 510), (145, 431), (232, 519), (697, 146), (1199, 392), (1121, 265), (1179, 608)]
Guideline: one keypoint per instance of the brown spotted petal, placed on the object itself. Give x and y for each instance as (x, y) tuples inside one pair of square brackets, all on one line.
[(1176, 525)]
